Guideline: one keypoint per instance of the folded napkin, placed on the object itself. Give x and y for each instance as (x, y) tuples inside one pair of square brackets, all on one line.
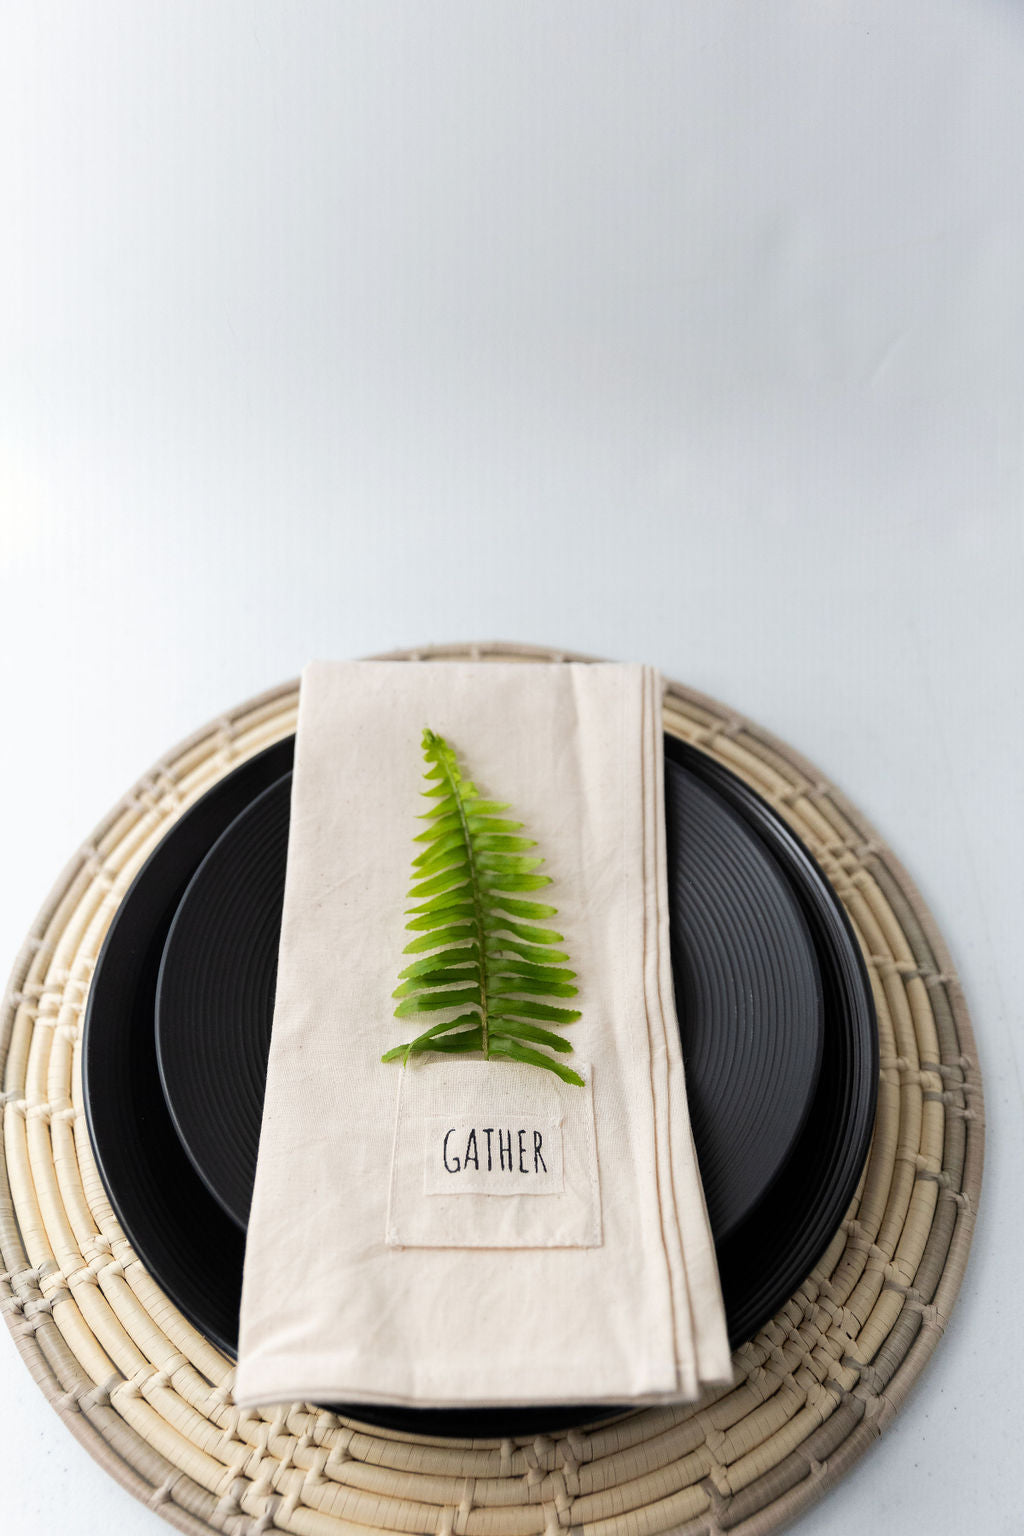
[(459, 1231)]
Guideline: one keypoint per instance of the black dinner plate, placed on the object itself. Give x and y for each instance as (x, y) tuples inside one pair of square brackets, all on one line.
[(769, 1231), (749, 985)]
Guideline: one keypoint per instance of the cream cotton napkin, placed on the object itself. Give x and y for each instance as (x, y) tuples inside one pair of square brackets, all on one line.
[(464, 1232)]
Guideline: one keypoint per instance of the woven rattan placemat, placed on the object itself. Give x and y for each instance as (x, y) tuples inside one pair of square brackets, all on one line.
[(151, 1398)]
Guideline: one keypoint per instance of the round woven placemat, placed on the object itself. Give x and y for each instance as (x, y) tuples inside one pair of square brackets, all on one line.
[(151, 1398)]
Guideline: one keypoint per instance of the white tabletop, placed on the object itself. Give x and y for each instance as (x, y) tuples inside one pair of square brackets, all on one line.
[(684, 334)]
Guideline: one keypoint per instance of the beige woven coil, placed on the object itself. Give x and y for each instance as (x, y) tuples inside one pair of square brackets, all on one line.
[(151, 1398)]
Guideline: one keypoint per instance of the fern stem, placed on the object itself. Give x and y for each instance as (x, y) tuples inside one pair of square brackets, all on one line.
[(477, 910)]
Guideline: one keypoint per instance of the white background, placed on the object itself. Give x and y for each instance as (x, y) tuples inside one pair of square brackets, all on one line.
[(688, 333)]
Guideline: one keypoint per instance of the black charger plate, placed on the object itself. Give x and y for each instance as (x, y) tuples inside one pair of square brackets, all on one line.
[(767, 1238)]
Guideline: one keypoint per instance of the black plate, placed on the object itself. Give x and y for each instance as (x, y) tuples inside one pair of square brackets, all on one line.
[(195, 1251), (746, 972)]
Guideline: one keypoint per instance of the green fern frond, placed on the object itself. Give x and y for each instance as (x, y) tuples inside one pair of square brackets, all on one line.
[(479, 955)]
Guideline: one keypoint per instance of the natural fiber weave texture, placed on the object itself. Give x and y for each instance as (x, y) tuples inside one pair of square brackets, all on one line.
[(151, 1398)]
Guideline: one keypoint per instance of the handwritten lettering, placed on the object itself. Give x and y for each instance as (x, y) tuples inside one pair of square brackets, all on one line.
[(460, 1150), (466, 1152)]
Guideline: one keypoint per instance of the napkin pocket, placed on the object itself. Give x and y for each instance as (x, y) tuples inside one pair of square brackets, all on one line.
[(493, 1154)]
